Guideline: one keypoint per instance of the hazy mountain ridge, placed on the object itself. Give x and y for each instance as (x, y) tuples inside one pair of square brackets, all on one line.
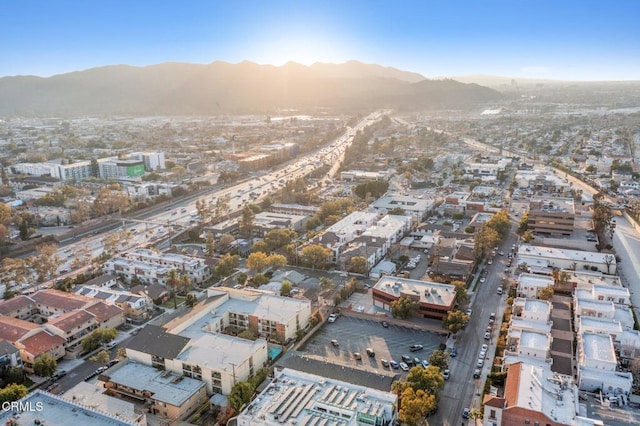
[(183, 89)]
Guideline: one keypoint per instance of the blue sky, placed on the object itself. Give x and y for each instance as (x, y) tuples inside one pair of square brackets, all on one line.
[(559, 39)]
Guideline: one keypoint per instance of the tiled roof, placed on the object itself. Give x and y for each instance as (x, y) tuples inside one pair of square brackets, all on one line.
[(13, 329), (61, 300), (15, 303), (41, 342), (512, 384), (103, 312), (71, 320)]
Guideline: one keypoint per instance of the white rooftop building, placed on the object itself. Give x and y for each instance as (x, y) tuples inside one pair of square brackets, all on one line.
[(551, 257), (306, 399), (413, 206), (530, 285), (531, 310), (597, 365)]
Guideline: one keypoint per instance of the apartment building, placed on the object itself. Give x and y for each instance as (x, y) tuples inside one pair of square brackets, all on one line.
[(414, 207), (133, 305), (435, 299), (530, 285), (167, 395), (533, 395), (597, 366)]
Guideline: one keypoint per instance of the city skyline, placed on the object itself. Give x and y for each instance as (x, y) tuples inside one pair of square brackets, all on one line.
[(544, 40)]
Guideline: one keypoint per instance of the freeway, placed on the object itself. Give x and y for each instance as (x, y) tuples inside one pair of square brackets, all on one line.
[(181, 214)]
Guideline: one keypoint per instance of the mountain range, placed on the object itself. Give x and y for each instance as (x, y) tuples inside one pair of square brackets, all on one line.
[(220, 87)]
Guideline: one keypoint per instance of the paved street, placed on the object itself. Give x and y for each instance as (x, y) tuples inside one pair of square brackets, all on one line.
[(461, 389), (626, 242)]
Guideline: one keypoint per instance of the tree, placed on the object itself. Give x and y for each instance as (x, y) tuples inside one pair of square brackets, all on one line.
[(173, 281), (12, 392), (486, 239), (415, 406), (259, 280), (225, 241), (278, 238), (285, 288), (210, 244), (227, 264), (527, 236), (500, 223), (561, 281), (404, 308), (326, 283), (46, 262), (257, 261), (190, 300), (315, 256), (398, 211), (14, 375), (608, 261), (277, 261), (427, 379), (240, 395), (101, 357), (455, 321), (45, 365), (358, 265), (122, 353), (110, 200), (372, 188), (246, 223), (439, 358), (462, 297), (98, 337), (524, 223), (546, 293), (260, 247)]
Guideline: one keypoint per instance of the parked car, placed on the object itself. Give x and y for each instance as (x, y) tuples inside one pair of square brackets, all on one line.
[(469, 311), (482, 355), (332, 318), (414, 348), (453, 353), (492, 318), (394, 364), (476, 373), (384, 363), (357, 356), (487, 335), (371, 353), (500, 290), (416, 361), (465, 413), (407, 359), (385, 324), (60, 374), (424, 363), (480, 363), (335, 343), (484, 347), (446, 374), (111, 345), (404, 366)]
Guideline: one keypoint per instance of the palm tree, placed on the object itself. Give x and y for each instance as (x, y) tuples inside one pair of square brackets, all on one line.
[(173, 281)]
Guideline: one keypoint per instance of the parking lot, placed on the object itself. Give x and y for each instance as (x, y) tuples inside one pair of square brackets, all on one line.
[(355, 335)]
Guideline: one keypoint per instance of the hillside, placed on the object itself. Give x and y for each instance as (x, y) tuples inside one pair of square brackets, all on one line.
[(220, 87)]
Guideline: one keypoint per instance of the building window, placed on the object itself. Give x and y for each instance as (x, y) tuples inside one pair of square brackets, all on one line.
[(492, 414)]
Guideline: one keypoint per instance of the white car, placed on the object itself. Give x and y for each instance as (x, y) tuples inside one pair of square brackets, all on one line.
[(332, 318), (480, 363), (487, 335), (482, 355), (404, 366), (484, 347)]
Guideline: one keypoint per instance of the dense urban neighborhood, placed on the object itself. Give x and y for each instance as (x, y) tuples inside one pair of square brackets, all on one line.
[(325, 267)]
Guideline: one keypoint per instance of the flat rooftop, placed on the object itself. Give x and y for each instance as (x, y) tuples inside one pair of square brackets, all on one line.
[(535, 326), (589, 279), (60, 411), (218, 351), (536, 306), (599, 325), (538, 389), (529, 339), (528, 250), (429, 292), (300, 398), (164, 386), (535, 280), (93, 396), (598, 347)]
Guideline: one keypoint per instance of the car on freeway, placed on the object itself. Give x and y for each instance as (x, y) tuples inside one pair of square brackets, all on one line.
[(394, 364), (414, 348), (404, 366)]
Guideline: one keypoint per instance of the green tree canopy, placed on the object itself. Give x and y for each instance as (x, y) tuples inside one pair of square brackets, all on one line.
[(12, 392), (315, 256), (455, 321), (439, 358), (404, 308), (45, 365), (427, 379)]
